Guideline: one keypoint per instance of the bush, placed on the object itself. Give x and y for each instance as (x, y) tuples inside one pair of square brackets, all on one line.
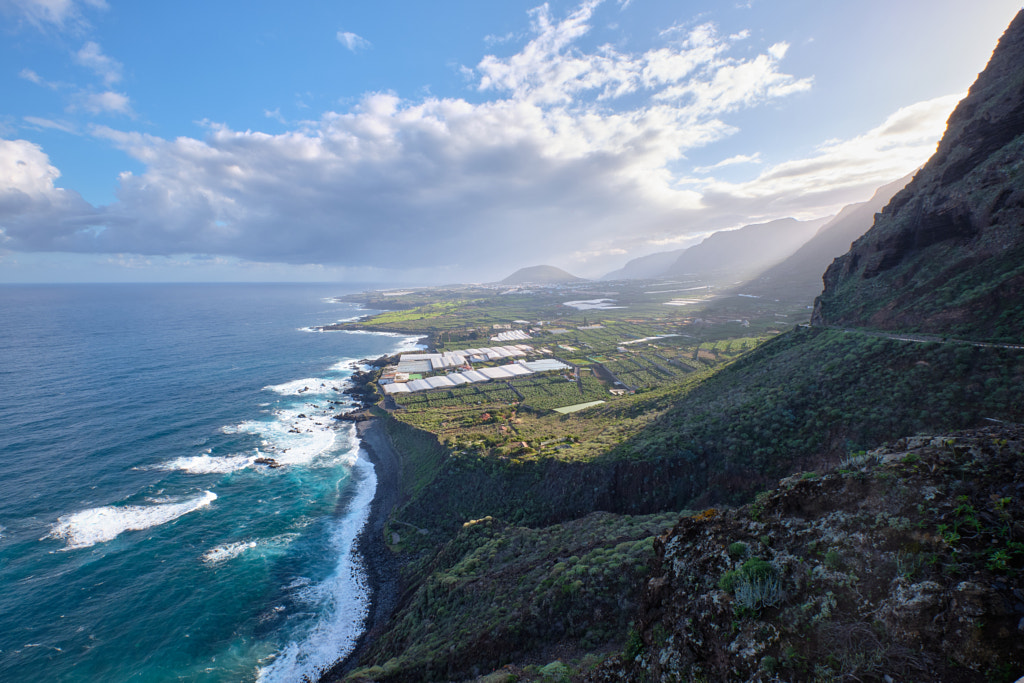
[(556, 672), (756, 569), (738, 549)]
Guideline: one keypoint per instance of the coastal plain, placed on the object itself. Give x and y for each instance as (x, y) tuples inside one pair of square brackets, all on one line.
[(519, 539)]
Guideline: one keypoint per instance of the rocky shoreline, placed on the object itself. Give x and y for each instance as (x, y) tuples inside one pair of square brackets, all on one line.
[(380, 563)]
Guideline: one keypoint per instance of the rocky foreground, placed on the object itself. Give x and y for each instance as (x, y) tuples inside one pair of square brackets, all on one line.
[(905, 563)]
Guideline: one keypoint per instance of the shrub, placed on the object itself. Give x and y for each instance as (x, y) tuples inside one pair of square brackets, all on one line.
[(756, 568), (738, 549), (556, 672)]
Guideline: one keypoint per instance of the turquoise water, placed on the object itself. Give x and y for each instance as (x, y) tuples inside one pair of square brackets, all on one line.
[(139, 540)]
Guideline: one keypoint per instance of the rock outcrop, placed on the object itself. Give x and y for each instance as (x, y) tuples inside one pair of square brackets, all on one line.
[(906, 563), (946, 255)]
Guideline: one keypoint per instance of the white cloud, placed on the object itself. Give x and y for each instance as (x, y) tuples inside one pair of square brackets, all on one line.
[(34, 213), (549, 164), (778, 50), (492, 40), (61, 14), (91, 56), (107, 102), (695, 74), (731, 161), (353, 42), (40, 122), (30, 75), (558, 165), (841, 171)]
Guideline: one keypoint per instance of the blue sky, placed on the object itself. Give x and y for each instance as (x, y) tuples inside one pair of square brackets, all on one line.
[(450, 141)]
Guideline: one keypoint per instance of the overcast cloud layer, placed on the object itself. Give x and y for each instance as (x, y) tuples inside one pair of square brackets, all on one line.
[(571, 153)]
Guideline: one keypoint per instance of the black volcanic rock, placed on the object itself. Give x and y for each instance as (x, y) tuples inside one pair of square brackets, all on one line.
[(946, 255), (540, 275)]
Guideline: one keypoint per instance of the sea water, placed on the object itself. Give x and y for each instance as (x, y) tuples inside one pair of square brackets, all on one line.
[(140, 539)]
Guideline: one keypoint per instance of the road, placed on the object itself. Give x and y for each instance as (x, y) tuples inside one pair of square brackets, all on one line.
[(919, 338)]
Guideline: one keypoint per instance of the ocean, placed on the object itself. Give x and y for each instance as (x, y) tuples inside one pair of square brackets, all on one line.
[(139, 538)]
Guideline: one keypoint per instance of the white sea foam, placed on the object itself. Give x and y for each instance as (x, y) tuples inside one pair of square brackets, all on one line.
[(342, 600), (209, 464), (297, 437), (311, 386), (97, 525), (347, 365), (223, 553), (229, 551)]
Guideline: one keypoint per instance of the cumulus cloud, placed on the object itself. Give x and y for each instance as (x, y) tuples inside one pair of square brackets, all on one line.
[(34, 213), (353, 42), (571, 158)]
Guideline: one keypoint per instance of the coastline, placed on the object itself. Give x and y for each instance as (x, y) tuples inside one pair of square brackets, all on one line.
[(381, 565)]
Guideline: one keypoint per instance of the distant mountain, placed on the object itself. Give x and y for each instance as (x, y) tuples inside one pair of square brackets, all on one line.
[(734, 253), (646, 267), (798, 278), (747, 251), (946, 255), (540, 275)]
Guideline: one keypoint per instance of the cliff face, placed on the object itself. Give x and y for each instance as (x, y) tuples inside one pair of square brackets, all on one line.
[(946, 255)]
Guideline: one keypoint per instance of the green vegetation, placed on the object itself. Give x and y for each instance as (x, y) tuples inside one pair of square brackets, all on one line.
[(817, 395), (697, 408), (571, 583)]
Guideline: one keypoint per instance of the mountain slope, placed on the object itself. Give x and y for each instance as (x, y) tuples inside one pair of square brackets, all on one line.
[(646, 267), (895, 567), (539, 275), (746, 251), (946, 255), (798, 278)]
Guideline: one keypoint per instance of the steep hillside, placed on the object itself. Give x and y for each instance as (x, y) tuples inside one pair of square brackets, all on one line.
[(745, 252), (903, 564), (540, 275), (798, 278), (946, 255), (812, 396)]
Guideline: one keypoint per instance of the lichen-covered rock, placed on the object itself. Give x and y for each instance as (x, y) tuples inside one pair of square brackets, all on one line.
[(906, 562)]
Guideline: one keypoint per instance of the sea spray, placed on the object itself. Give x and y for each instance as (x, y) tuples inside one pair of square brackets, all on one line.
[(341, 600), (184, 526)]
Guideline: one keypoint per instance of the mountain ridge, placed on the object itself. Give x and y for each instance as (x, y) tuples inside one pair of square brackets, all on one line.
[(946, 255)]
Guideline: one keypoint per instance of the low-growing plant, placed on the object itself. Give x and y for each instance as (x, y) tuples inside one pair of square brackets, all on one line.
[(833, 560), (738, 549)]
